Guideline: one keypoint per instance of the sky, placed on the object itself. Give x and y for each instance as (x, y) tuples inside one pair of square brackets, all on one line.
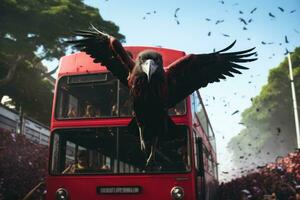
[(199, 28)]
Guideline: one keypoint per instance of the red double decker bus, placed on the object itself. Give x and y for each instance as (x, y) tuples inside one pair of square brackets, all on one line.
[(94, 155)]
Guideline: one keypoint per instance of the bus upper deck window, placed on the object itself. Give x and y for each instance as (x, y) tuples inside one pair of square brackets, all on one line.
[(90, 96), (178, 109)]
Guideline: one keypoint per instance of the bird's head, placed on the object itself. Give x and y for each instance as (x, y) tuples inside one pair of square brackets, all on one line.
[(150, 62)]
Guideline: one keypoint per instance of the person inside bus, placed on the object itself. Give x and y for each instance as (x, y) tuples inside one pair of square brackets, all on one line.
[(98, 112), (81, 166), (89, 111), (114, 110), (175, 111), (104, 167), (72, 112), (179, 109), (183, 162), (126, 108)]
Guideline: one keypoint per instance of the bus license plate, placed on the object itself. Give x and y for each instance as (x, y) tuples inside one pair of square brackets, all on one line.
[(118, 189)]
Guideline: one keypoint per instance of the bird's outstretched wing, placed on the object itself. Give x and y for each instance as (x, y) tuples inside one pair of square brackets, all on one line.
[(194, 71), (106, 50)]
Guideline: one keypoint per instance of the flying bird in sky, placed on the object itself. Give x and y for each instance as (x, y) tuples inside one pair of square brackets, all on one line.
[(219, 21), (153, 88), (252, 11), (286, 39), (176, 16), (281, 9), (176, 11), (243, 20), (235, 112), (271, 15), (286, 52), (149, 13)]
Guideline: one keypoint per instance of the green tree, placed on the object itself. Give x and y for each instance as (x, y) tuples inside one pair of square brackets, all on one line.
[(32, 31), (270, 127)]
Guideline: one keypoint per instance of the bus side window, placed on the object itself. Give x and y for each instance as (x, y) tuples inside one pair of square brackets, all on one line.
[(125, 105), (178, 109), (200, 163)]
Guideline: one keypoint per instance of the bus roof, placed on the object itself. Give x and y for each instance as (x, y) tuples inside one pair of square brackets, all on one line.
[(80, 62)]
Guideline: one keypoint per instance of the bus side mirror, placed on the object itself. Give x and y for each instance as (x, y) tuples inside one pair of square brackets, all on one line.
[(200, 163)]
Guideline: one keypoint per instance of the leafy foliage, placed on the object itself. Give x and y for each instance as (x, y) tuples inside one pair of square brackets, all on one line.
[(270, 127), (23, 165), (32, 31)]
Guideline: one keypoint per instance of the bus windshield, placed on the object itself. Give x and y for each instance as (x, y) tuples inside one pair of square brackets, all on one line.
[(114, 150), (96, 96)]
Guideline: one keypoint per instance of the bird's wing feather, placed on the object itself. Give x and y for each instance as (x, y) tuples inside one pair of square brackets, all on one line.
[(106, 50), (194, 71)]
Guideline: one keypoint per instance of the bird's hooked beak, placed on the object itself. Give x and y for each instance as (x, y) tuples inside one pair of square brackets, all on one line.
[(149, 67)]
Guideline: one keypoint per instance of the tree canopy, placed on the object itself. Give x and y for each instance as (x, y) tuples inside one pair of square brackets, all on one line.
[(269, 123), (32, 31)]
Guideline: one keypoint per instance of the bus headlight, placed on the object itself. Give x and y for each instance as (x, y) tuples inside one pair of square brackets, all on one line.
[(177, 193), (61, 194)]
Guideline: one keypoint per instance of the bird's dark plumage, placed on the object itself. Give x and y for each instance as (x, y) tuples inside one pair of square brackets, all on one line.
[(106, 50), (153, 88)]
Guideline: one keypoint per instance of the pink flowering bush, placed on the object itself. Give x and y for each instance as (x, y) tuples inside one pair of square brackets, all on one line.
[(23, 164), (280, 179)]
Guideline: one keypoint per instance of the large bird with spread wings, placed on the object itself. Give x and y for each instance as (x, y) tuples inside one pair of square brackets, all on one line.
[(153, 88)]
